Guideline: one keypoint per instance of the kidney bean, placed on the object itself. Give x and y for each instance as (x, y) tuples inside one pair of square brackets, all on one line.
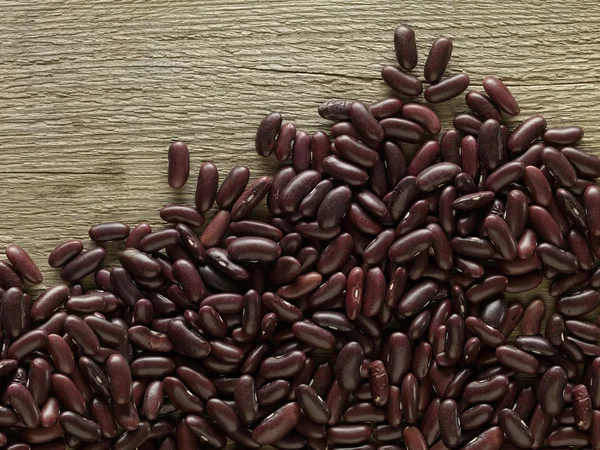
[(405, 47), (467, 123), (276, 426), (437, 175), (563, 137), (532, 318), (517, 359), (550, 390), (447, 89), (402, 82), (64, 252), (408, 246), (476, 416), (364, 121), (578, 303), (486, 390), (501, 236), (24, 404), (536, 345), (344, 172), (186, 341), (449, 420)]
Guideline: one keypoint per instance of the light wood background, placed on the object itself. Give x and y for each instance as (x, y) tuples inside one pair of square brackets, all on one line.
[(92, 92)]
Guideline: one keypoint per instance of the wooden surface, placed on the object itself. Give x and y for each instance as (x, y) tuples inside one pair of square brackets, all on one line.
[(91, 92)]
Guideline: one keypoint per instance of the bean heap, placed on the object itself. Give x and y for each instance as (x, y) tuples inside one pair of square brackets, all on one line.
[(368, 313)]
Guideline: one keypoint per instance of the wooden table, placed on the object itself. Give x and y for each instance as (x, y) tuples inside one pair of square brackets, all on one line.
[(92, 92)]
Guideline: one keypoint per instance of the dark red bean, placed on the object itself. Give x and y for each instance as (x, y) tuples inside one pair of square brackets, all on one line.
[(532, 318), (402, 82), (187, 341), (550, 390), (538, 185), (119, 376), (450, 428), (527, 132), (205, 431), (23, 264), (408, 246), (467, 123), (400, 356), (409, 398), (481, 105), (447, 89), (83, 265), (335, 110), (347, 366), (405, 47), (277, 425), (364, 121), (505, 175), (80, 427), (250, 198), (348, 434), (437, 175), (314, 335), (487, 334), (490, 144), (563, 137), (567, 436), (24, 404), (284, 366), (403, 130), (517, 359), (501, 95), (64, 252), (425, 157), (68, 394), (233, 185), (187, 215), (181, 397), (486, 390), (501, 236), (515, 429), (61, 354), (559, 166), (437, 60), (545, 225), (489, 287), (344, 172), (301, 151), (582, 407), (423, 116), (111, 231), (591, 201), (312, 405), (266, 134), (179, 164)]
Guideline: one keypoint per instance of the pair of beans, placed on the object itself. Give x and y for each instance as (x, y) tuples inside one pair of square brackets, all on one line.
[(368, 312)]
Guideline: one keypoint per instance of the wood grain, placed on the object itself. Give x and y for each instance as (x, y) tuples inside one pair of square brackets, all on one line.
[(92, 92)]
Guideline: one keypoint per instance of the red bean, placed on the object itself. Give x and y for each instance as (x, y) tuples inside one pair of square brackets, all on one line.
[(447, 89), (276, 426), (403, 130), (266, 134), (405, 47), (179, 164), (344, 172), (82, 265), (437, 60), (501, 95), (402, 82), (423, 116)]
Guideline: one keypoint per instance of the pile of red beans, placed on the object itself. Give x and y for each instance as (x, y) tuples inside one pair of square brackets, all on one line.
[(367, 313)]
